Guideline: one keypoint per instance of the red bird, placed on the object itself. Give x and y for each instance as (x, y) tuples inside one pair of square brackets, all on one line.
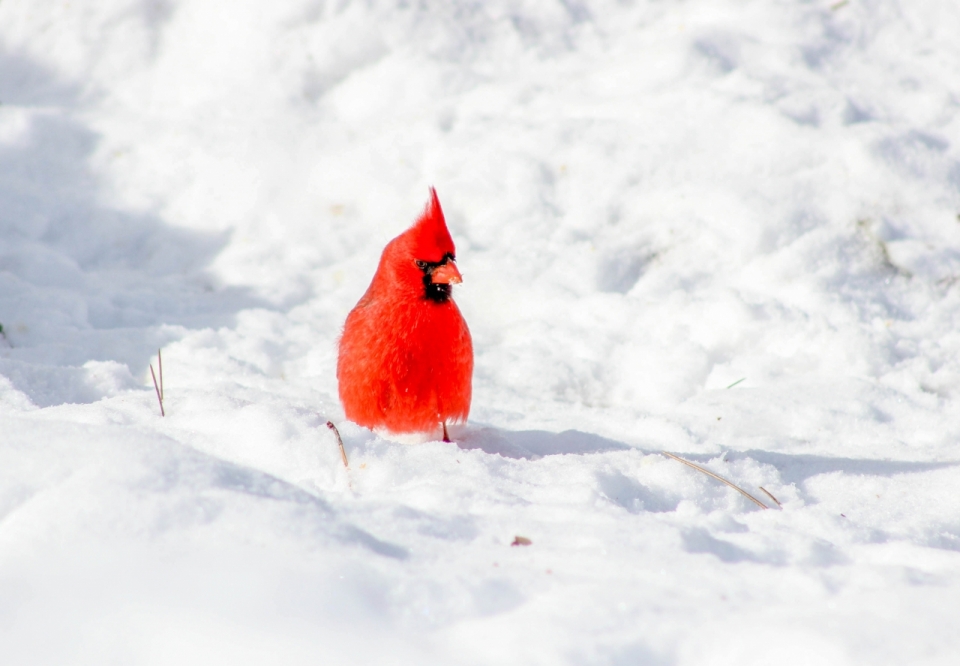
[(406, 357)]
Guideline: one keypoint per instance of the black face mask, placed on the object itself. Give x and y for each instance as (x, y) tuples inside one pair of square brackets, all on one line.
[(439, 293)]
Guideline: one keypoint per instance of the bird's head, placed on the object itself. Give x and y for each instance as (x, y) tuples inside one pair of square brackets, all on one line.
[(423, 258)]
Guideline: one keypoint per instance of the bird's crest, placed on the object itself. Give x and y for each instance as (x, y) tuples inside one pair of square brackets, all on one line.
[(429, 238)]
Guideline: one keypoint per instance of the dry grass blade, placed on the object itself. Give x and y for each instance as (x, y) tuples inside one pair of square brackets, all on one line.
[(770, 495), (718, 478), (157, 389), (343, 451)]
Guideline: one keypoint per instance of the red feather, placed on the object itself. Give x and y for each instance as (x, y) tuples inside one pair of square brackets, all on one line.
[(406, 357)]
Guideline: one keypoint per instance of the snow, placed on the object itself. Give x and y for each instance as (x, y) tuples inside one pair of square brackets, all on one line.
[(722, 228)]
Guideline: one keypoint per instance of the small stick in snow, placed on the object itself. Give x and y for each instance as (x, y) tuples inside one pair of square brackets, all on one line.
[(770, 495), (521, 541), (718, 478), (343, 451), (158, 388), (737, 382)]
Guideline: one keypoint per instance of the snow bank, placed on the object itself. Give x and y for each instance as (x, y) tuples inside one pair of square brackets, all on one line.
[(724, 229)]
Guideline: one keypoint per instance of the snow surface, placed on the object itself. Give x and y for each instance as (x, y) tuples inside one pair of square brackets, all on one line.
[(652, 201)]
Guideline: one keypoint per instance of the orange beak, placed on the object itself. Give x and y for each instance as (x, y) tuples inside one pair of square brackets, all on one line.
[(446, 274)]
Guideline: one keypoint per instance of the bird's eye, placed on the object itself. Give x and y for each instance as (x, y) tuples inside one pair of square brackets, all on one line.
[(422, 265)]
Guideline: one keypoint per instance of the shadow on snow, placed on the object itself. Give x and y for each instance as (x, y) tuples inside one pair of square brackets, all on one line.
[(187, 467), (81, 281), (533, 444)]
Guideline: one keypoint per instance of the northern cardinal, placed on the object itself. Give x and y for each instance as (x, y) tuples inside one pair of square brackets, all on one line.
[(406, 357)]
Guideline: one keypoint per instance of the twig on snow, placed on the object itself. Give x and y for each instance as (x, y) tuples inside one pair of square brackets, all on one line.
[(737, 382), (343, 451), (718, 478), (158, 387), (770, 495)]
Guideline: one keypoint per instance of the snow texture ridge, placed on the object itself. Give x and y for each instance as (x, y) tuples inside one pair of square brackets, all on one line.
[(726, 229)]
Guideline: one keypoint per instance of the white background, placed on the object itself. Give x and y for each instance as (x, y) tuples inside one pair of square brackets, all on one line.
[(651, 202)]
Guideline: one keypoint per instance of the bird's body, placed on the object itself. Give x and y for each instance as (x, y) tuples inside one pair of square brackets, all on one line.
[(406, 358)]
